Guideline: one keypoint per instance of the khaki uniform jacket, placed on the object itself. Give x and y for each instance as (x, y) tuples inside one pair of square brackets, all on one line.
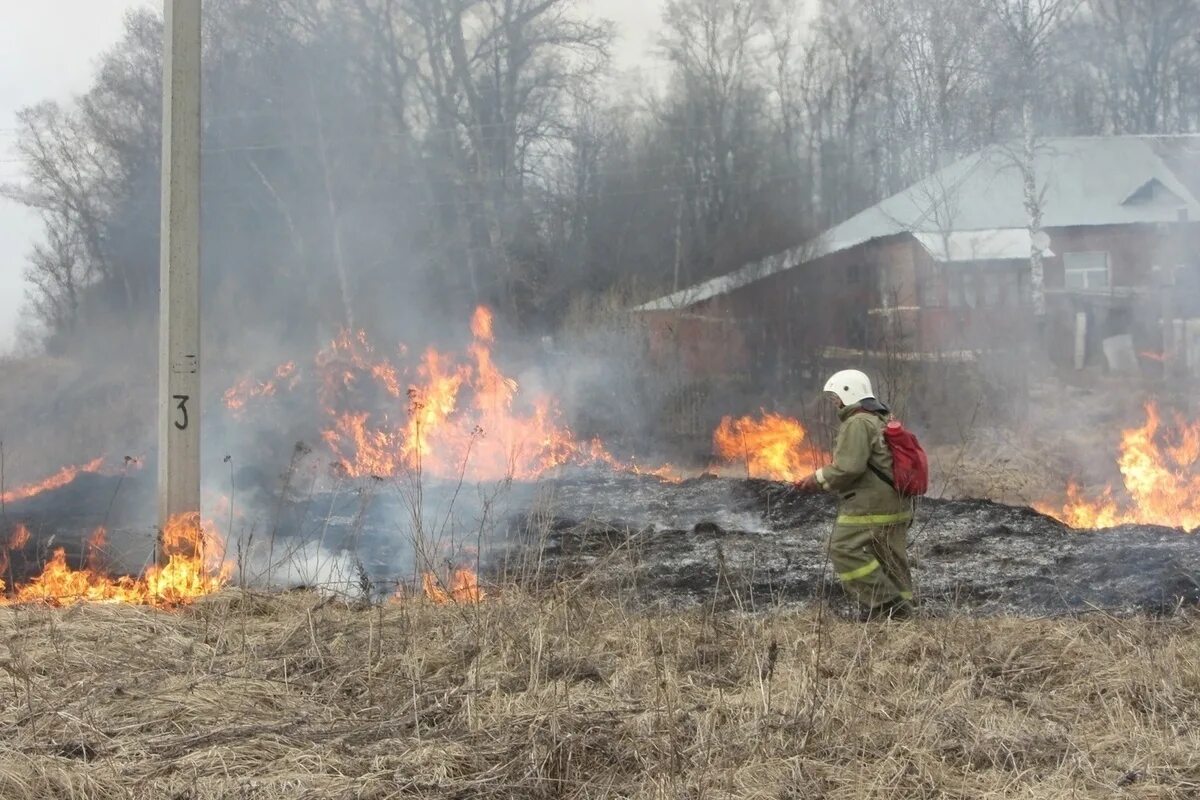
[(865, 498)]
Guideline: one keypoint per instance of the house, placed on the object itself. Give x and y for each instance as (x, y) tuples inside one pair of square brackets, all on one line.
[(941, 272)]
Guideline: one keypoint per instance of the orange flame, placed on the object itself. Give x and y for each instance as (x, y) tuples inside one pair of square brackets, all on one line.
[(481, 324), (195, 567), (463, 418), (597, 454), (55, 481), (771, 447), (1162, 481), (237, 396), (94, 549), (463, 588), (19, 537)]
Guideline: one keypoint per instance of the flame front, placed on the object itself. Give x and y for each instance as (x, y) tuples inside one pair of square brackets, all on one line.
[(772, 447), (237, 396), (19, 537), (55, 481), (1160, 476), (464, 418), (194, 567), (446, 415), (463, 587)]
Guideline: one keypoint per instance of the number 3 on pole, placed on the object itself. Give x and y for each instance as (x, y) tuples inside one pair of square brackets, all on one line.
[(182, 398)]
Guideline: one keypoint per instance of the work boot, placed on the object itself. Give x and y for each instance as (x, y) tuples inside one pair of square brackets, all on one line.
[(892, 609)]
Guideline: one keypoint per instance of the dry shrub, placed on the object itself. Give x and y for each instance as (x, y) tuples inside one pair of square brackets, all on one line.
[(575, 696)]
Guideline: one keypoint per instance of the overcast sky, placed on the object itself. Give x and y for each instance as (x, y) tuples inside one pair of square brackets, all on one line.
[(48, 51)]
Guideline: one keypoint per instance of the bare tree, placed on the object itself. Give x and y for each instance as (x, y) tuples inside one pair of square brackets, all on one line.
[(57, 276), (939, 53), (1145, 58), (1028, 28), (714, 115), (844, 78), (496, 76), (473, 148), (69, 183)]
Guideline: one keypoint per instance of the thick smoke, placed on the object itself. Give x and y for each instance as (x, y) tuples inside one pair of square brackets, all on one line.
[(362, 172)]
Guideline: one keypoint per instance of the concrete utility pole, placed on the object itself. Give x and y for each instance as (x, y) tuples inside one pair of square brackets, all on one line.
[(179, 289)]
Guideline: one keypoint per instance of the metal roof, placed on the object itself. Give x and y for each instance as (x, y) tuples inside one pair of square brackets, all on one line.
[(1000, 244), (727, 283), (1083, 181)]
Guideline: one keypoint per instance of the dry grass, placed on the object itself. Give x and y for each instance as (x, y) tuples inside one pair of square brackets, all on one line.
[(246, 696)]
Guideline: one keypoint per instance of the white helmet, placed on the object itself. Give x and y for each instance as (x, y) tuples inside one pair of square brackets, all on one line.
[(851, 386)]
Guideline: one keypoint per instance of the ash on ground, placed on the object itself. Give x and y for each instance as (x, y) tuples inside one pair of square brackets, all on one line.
[(748, 543), (731, 544)]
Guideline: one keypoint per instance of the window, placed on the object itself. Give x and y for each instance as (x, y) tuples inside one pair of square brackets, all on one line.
[(991, 288), (954, 289), (1016, 288), (1086, 271), (886, 293), (932, 285), (970, 282)]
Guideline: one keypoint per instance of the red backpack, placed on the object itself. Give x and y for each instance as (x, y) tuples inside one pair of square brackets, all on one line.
[(910, 465)]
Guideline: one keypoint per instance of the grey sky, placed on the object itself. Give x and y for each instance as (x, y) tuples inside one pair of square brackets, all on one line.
[(49, 52)]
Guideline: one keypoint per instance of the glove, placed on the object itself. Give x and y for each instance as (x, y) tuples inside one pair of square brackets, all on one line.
[(808, 485)]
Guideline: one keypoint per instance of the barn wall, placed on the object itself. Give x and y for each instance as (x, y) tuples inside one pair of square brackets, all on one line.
[(1144, 261), (770, 339)]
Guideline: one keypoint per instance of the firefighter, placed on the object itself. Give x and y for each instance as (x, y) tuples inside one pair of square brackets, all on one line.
[(868, 547)]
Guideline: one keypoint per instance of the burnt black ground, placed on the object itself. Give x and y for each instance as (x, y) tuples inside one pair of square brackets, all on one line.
[(748, 543), (729, 543)]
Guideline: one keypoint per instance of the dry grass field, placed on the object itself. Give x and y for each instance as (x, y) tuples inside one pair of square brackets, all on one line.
[(295, 696)]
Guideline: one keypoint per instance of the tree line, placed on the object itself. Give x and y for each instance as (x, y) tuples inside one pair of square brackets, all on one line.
[(390, 163)]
